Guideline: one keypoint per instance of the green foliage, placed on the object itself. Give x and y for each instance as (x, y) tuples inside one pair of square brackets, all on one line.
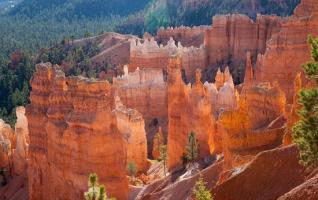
[(132, 169), (201, 192), (95, 191), (163, 150), (305, 131), (192, 148), (14, 84)]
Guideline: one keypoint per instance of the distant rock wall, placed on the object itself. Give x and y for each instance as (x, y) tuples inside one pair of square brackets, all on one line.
[(193, 36), (231, 36), (288, 49), (151, 55)]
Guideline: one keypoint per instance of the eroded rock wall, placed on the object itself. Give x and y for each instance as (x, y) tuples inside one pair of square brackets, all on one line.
[(288, 49), (231, 36), (193, 36), (132, 126), (257, 124), (189, 109), (145, 91), (151, 55), (73, 133)]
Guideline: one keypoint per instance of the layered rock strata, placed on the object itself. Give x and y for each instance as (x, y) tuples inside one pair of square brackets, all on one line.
[(231, 36), (145, 91), (132, 126), (193, 36), (151, 55), (73, 133), (288, 49), (20, 154), (189, 110), (257, 124)]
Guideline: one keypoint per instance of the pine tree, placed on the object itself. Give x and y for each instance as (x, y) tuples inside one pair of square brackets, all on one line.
[(201, 192), (132, 170), (164, 157), (95, 191), (192, 148), (305, 131)]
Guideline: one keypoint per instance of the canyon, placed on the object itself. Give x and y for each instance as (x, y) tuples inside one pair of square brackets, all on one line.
[(233, 84)]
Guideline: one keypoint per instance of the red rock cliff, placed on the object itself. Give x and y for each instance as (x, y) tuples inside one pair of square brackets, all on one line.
[(73, 133)]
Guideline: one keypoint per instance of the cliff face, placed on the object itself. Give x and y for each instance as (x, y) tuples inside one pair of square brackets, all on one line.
[(193, 36), (288, 49), (73, 132), (231, 36), (189, 109), (151, 55), (20, 155), (132, 126), (145, 91), (256, 125), (6, 144)]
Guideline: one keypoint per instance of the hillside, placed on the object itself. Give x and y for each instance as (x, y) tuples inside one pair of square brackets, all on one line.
[(199, 12), (71, 10)]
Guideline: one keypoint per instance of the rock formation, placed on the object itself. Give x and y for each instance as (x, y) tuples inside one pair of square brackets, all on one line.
[(20, 154), (189, 109), (73, 132), (257, 123), (293, 117), (193, 36), (307, 190), (231, 36), (145, 91), (268, 176), (158, 140), (150, 55), (132, 126), (288, 49), (6, 145)]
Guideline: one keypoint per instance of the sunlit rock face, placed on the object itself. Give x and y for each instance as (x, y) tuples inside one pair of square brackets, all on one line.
[(7, 143), (292, 115), (145, 91), (231, 36), (189, 109), (150, 54), (288, 49), (73, 132), (257, 124), (20, 154), (132, 126)]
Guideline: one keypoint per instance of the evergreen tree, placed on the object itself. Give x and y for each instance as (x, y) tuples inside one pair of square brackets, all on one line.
[(95, 191), (192, 148), (305, 131), (132, 170), (201, 192), (164, 157)]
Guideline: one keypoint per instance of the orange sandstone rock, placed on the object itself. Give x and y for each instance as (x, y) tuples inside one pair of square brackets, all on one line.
[(288, 49), (257, 124), (73, 133), (189, 109), (158, 140), (193, 36), (132, 126), (145, 91), (6, 145), (20, 154), (293, 117)]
